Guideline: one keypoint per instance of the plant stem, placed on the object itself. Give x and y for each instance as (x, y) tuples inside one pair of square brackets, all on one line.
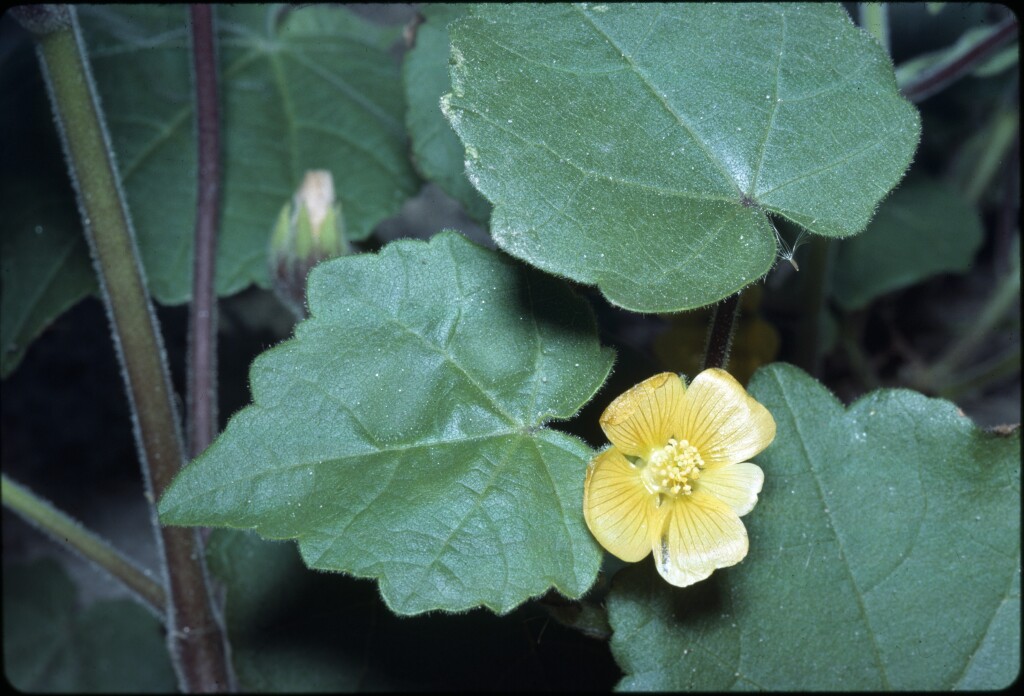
[(202, 353), (62, 528), (723, 324), (808, 349), (874, 17), (944, 73), (195, 639)]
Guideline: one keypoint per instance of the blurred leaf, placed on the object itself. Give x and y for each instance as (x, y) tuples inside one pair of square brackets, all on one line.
[(639, 148), (982, 156), (884, 554), (989, 64), (314, 89), (1005, 59), (976, 52), (400, 435), (437, 151), (44, 264), (924, 228), (114, 646)]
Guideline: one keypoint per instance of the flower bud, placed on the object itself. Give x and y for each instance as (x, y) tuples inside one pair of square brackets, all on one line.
[(310, 229)]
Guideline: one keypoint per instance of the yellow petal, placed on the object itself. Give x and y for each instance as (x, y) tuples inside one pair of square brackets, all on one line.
[(700, 534), (646, 416), (736, 485), (722, 421), (619, 510)]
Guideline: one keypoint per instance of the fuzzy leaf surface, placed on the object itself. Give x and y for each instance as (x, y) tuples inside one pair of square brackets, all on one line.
[(401, 433), (872, 518), (309, 88), (639, 147)]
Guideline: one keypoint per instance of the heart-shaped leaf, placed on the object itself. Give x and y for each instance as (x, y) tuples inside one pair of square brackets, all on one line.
[(884, 554), (639, 147), (308, 88), (400, 435)]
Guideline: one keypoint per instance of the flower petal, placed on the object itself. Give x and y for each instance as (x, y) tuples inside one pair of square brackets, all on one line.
[(646, 416), (619, 510), (722, 421), (736, 485), (700, 534)]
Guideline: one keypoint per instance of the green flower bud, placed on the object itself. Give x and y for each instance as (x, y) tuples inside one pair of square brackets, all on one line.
[(309, 229)]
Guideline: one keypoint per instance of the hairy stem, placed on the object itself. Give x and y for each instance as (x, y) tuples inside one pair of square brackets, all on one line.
[(195, 638), (723, 324), (202, 347), (63, 529)]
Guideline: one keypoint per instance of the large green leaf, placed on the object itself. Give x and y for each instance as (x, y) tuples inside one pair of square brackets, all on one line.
[(884, 554), (925, 228), (400, 435), (639, 147), (114, 646), (316, 89), (437, 151)]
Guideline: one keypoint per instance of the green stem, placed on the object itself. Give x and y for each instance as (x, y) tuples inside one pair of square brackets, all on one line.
[(723, 325), (874, 18), (195, 638), (42, 515), (808, 349)]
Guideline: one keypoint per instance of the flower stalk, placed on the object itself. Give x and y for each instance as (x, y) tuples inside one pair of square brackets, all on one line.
[(814, 292), (195, 638), (720, 333)]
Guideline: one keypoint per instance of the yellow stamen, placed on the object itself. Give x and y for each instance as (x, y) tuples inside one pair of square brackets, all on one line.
[(673, 468)]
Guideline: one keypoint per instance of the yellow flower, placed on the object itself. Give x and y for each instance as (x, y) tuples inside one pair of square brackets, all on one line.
[(675, 480)]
